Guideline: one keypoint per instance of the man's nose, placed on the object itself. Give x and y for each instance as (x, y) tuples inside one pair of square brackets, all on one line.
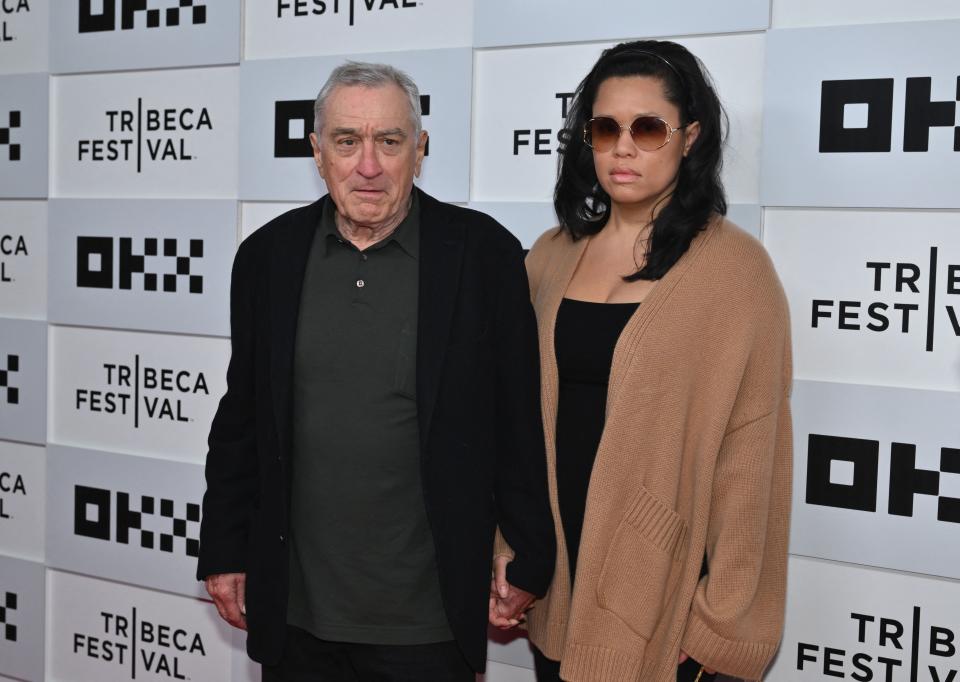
[(369, 164)]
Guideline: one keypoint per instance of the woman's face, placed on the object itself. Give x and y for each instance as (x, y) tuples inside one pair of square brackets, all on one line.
[(636, 179)]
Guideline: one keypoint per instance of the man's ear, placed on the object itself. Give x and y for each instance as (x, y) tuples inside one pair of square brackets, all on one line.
[(317, 154)]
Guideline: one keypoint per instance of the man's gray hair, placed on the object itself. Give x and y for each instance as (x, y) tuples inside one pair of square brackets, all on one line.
[(367, 75)]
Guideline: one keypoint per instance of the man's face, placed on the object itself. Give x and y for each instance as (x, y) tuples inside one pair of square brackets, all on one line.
[(368, 153)]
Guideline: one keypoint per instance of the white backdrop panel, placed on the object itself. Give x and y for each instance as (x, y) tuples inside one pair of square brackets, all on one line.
[(24, 35), (792, 14), (24, 140), (150, 134), (23, 380), (876, 476), (119, 34), (134, 519), (22, 500), (21, 619), (848, 124), (154, 265), (254, 215), (507, 22), (276, 119), (23, 259), (521, 98), (866, 306), (297, 28), (147, 394), (866, 624), (99, 631)]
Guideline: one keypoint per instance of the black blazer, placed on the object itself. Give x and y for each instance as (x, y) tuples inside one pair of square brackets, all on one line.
[(478, 402)]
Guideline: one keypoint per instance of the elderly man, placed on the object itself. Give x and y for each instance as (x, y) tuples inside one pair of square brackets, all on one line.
[(381, 418)]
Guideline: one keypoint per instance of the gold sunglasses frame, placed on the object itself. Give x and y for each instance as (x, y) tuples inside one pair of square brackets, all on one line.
[(670, 131)]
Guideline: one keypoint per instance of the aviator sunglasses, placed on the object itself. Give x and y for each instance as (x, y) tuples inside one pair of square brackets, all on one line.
[(649, 133)]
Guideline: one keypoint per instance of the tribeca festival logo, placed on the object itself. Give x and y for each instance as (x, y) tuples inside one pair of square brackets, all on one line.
[(843, 472), (913, 650), (894, 279), (104, 17), (313, 8), (9, 394), (293, 123), (96, 257), (143, 134), (131, 641), (6, 134), (857, 115), (7, 608), (139, 392), (94, 512), (11, 246), (539, 141), (7, 8), (10, 484)]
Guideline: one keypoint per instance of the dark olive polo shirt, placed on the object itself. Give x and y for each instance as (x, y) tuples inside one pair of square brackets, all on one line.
[(363, 566)]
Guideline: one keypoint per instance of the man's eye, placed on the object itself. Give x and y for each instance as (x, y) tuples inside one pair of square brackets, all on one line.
[(346, 142), (390, 141)]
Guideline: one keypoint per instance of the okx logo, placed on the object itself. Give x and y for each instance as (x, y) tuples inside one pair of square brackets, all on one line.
[(857, 115), (891, 280), (10, 393), (293, 123), (185, 12), (144, 134), (96, 509), (96, 257), (138, 391), (13, 148), (7, 608), (843, 472), (313, 8)]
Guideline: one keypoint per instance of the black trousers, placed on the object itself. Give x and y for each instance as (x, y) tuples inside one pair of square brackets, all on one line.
[(308, 659), (549, 671)]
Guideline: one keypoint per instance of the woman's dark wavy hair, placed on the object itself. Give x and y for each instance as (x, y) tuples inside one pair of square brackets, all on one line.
[(582, 205)]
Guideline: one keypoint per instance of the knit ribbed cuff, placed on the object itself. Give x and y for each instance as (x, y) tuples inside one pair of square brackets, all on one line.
[(582, 663), (746, 660)]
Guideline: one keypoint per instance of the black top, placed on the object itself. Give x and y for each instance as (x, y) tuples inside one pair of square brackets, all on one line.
[(363, 567), (585, 337)]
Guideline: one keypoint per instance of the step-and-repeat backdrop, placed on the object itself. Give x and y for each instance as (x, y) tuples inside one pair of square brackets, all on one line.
[(141, 140)]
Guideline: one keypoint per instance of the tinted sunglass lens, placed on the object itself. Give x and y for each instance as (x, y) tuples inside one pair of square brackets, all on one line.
[(603, 133), (649, 132)]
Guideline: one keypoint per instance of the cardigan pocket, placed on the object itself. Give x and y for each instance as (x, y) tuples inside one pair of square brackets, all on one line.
[(642, 566)]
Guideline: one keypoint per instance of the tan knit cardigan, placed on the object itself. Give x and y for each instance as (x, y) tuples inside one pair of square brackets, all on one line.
[(695, 457)]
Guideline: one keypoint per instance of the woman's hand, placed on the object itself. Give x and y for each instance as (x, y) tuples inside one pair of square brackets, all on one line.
[(507, 603)]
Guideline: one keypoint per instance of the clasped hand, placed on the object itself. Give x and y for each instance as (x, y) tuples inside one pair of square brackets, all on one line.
[(508, 603)]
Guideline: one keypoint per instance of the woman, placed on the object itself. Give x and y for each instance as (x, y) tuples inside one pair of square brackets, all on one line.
[(665, 357)]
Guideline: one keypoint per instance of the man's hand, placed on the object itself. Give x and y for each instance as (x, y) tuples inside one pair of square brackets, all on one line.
[(507, 603), (684, 657), (229, 595)]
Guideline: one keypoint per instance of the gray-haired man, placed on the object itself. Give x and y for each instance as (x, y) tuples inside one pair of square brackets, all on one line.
[(381, 418)]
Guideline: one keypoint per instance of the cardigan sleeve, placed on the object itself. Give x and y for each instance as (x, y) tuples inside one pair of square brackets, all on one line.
[(736, 619)]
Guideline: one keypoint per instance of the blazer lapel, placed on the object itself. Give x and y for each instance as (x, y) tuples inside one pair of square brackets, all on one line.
[(287, 267), (441, 255)]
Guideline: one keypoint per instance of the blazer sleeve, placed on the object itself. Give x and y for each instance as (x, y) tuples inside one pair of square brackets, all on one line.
[(522, 500), (231, 467), (736, 619)]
